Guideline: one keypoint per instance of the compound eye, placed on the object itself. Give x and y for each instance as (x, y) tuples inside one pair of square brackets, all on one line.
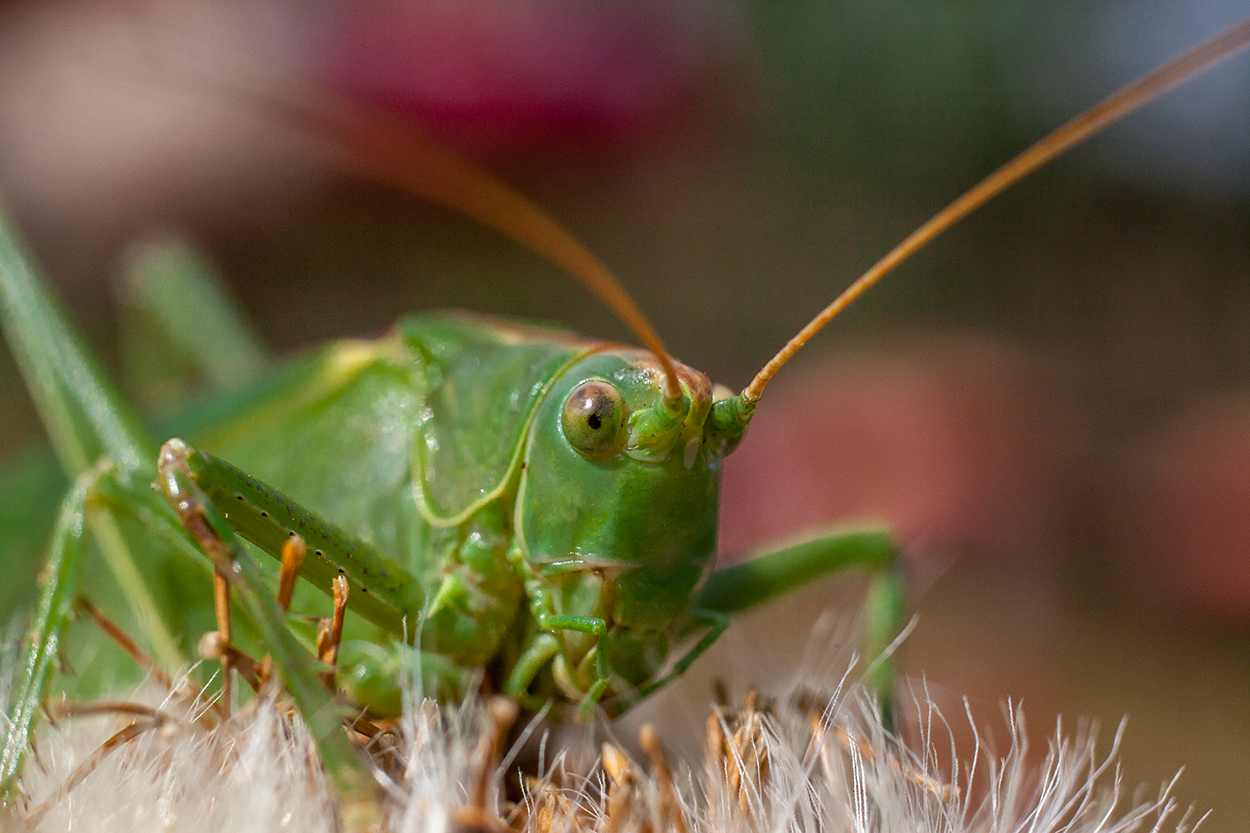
[(592, 418)]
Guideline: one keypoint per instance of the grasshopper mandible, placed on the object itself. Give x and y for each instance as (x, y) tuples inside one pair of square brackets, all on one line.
[(566, 556)]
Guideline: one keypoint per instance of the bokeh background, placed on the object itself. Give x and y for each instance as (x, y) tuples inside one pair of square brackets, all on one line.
[(1051, 405)]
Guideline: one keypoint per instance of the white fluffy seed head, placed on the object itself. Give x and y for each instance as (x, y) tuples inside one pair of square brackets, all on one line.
[(814, 757)]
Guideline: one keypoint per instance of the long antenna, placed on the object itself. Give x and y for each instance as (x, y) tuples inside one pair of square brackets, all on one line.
[(1201, 57), (393, 153), (387, 151)]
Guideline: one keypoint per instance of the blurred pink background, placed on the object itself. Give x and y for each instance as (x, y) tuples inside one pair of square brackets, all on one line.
[(1049, 408)]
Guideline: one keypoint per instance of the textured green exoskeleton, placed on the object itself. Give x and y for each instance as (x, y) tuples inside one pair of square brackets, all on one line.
[(509, 506), (533, 505), (505, 501)]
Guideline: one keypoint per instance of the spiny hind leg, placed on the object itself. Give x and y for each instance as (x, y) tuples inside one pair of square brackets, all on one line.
[(384, 591), (295, 665), (381, 590), (233, 567), (772, 574), (181, 689), (144, 719)]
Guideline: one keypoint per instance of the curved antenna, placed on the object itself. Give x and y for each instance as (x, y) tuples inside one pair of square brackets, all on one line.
[(390, 152), (1202, 57), (387, 151)]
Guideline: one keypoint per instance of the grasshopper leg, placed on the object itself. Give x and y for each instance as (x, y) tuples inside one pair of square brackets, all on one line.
[(103, 491), (330, 632), (293, 551), (542, 649), (383, 591), (215, 538), (547, 648), (772, 574), (221, 607), (715, 621), (598, 628)]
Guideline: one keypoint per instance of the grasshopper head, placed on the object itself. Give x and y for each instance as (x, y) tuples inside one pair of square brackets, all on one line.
[(617, 508)]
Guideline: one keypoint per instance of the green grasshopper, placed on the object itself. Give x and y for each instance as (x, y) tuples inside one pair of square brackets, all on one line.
[(494, 504)]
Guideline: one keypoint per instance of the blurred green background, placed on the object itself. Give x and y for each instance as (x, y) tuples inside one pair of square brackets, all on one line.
[(795, 143)]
